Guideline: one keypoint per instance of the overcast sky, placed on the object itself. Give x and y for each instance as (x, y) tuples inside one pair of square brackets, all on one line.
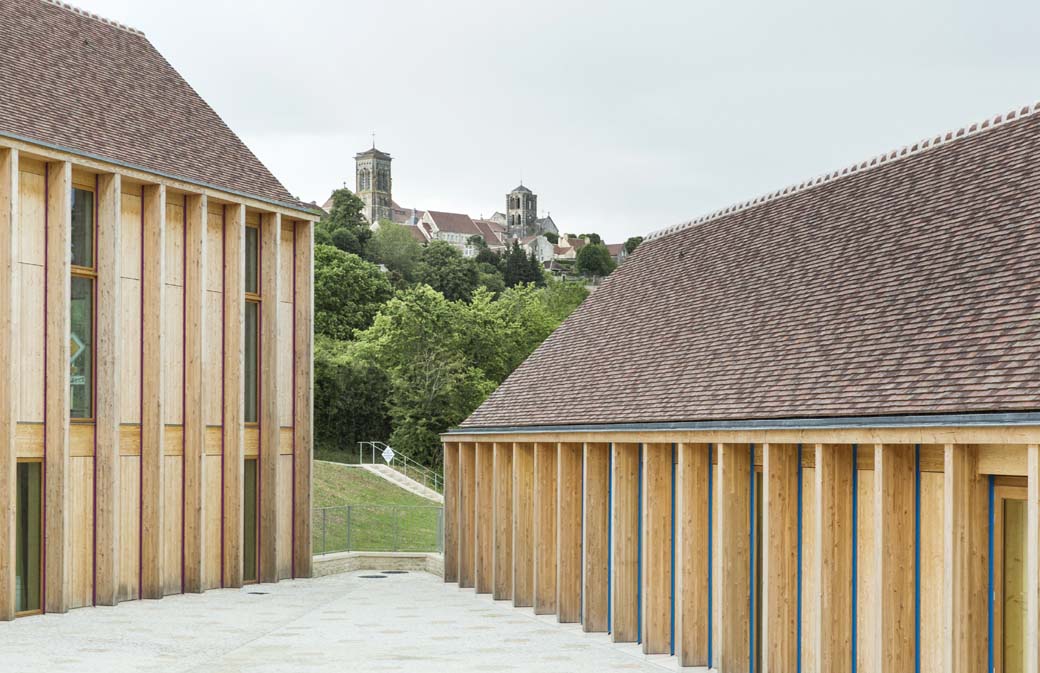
[(624, 117)]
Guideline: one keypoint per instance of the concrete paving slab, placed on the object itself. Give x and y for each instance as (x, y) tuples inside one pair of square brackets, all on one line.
[(343, 623)]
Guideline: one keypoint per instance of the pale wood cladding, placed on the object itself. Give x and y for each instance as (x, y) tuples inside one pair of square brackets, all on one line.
[(270, 429), (656, 526), (451, 512), (625, 543), (568, 532), (595, 531), (483, 537), (8, 371), (691, 554), (544, 528), (1032, 627), (467, 512), (735, 553), (502, 508), (780, 558), (833, 567), (893, 518), (302, 391), (193, 412), (233, 387), (523, 522)]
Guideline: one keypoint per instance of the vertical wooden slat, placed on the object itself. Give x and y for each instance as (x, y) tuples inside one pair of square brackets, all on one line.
[(1032, 643), (467, 510), (483, 539), (451, 511), (624, 580), (691, 555), (234, 390), (107, 462), (270, 428), (894, 472), (152, 386), (965, 572), (56, 372), (568, 532), (545, 534), (303, 407), (595, 531), (657, 529), (8, 368), (780, 558), (523, 525), (833, 567), (194, 409), (502, 547), (734, 548)]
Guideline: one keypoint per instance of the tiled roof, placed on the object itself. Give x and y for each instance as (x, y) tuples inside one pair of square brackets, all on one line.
[(454, 223), (90, 86), (490, 231), (417, 233), (907, 286)]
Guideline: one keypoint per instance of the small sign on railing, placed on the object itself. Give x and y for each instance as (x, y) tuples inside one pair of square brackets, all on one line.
[(388, 454)]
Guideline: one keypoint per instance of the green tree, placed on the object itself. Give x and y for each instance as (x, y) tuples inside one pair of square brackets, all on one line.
[(350, 395), (490, 277), (594, 260), (486, 255), (535, 271), (632, 243), (443, 268), (477, 241), (348, 292), (552, 237), (515, 267), (394, 246), (344, 226), (561, 298), (592, 239)]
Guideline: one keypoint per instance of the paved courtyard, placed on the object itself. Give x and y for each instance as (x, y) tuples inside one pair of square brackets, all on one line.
[(407, 622)]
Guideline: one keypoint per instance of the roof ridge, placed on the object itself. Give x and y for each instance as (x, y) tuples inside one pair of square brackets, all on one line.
[(97, 17), (907, 150)]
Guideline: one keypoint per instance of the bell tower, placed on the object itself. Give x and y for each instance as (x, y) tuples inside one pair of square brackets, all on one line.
[(521, 212), (373, 183)]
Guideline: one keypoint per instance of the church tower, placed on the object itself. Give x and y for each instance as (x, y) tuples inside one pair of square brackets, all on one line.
[(521, 212), (374, 183)]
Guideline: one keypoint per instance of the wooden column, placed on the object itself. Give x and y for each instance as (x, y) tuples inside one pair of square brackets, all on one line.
[(8, 378), (303, 406), (196, 210), (894, 476), (568, 531), (502, 552), (270, 428), (523, 525), (833, 567), (624, 581), (234, 390), (657, 548), (467, 505), (545, 540), (1032, 643), (106, 461), (483, 540), (965, 571), (691, 554), (56, 399), (152, 376), (734, 547), (451, 511), (780, 558), (595, 533)]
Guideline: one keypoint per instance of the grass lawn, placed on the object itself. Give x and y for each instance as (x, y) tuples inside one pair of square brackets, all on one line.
[(363, 512)]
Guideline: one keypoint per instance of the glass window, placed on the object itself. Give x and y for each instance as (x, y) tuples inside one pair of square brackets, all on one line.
[(252, 259), (28, 533), (249, 536), (81, 347), (251, 348), (82, 228)]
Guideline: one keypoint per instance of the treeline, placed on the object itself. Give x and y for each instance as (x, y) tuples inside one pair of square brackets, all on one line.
[(410, 339)]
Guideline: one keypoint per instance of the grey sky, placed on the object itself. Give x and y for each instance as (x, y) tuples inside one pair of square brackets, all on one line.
[(624, 117)]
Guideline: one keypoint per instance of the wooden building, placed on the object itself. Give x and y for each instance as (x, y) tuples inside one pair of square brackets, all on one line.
[(155, 330), (805, 435)]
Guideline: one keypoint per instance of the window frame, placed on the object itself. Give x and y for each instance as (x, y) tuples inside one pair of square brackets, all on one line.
[(90, 273), (43, 537), (257, 299)]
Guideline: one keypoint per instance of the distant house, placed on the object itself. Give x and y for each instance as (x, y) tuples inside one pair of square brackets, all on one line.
[(617, 252), (494, 233), (568, 248), (540, 246), (454, 228)]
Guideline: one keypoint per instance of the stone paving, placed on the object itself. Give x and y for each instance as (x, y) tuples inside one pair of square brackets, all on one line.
[(342, 623)]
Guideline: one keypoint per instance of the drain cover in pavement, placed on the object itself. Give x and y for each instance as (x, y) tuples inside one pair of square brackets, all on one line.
[(258, 593), (394, 572), (372, 577)]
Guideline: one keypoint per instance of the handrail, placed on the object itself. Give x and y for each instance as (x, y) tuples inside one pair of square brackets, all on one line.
[(427, 477), (377, 527)]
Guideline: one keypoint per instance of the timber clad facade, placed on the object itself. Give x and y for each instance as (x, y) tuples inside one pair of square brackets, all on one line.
[(810, 441), (155, 330)]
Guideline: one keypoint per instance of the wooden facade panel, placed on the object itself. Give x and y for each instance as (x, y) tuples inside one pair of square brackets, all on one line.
[(8, 377), (285, 516), (735, 550), (130, 351), (303, 386), (251, 441), (31, 214), (810, 615), (211, 532), (285, 364), (285, 282), (29, 343), (129, 527), (568, 532), (215, 249), (174, 259), (81, 501), (483, 524), (130, 239), (502, 546), (212, 359), (467, 502), (869, 585), (716, 560), (625, 543), (173, 355), (656, 567), (172, 531), (545, 539), (451, 511), (595, 533), (780, 520), (833, 569), (691, 554), (932, 571), (523, 523)]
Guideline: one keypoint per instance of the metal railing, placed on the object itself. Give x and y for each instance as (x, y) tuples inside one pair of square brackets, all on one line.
[(372, 453), (409, 528)]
